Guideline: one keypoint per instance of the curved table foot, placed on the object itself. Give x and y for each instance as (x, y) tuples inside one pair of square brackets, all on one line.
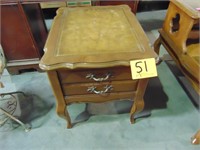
[(196, 138), (67, 117), (63, 113), (137, 107)]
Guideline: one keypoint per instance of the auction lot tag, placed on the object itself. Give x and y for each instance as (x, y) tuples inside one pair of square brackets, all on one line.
[(143, 68)]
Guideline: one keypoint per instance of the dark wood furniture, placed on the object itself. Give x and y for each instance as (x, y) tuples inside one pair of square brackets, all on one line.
[(152, 5), (180, 37), (88, 53), (23, 34), (133, 4)]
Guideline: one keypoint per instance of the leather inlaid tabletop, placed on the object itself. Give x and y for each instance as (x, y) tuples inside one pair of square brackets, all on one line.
[(87, 36), (96, 31)]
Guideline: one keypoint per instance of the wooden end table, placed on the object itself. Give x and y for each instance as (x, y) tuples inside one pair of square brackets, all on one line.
[(87, 57)]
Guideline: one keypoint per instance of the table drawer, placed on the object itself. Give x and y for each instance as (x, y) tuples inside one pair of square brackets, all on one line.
[(94, 75), (100, 98), (101, 88)]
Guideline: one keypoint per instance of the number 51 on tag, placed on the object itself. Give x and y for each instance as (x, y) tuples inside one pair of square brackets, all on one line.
[(143, 68)]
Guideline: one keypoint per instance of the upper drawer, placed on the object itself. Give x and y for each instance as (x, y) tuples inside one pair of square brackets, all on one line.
[(94, 75)]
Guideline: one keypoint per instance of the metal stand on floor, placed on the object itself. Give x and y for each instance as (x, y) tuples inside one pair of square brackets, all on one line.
[(9, 110)]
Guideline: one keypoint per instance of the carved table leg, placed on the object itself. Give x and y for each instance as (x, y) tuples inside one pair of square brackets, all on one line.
[(63, 113), (138, 103), (69, 124), (60, 101), (196, 138), (157, 44)]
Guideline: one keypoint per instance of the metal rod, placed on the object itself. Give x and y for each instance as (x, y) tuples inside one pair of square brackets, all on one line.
[(27, 128)]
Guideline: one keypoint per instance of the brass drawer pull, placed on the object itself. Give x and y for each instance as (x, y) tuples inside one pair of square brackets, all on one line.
[(91, 76), (107, 88)]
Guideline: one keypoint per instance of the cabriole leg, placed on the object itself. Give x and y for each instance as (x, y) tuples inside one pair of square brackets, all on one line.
[(138, 103), (61, 106), (157, 44)]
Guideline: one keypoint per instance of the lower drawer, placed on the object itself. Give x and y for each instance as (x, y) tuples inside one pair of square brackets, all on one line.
[(100, 98), (100, 88)]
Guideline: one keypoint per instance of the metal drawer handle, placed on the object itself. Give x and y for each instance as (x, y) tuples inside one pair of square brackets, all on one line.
[(92, 89), (91, 76)]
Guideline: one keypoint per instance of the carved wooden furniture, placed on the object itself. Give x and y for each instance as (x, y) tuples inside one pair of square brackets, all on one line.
[(180, 36), (23, 34), (87, 57)]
